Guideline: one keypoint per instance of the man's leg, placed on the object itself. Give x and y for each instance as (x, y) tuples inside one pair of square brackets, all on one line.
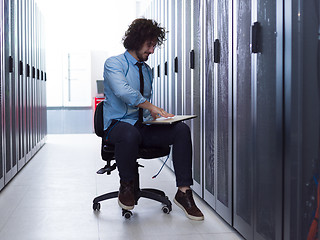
[(178, 135), (126, 139)]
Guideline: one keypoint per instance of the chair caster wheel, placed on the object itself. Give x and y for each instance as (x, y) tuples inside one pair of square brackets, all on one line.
[(126, 214), (166, 209), (96, 206)]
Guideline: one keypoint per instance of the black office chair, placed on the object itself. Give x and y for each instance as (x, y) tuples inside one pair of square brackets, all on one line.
[(107, 153)]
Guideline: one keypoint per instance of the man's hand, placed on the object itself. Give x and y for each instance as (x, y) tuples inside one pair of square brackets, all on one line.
[(154, 110)]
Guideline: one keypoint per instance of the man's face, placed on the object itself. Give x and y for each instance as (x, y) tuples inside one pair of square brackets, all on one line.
[(146, 49)]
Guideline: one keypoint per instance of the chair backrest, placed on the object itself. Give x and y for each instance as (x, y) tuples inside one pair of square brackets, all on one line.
[(98, 120)]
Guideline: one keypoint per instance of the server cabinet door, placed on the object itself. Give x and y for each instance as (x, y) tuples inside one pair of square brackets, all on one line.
[(33, 79), (208, 110), (161, 54), (302, 118), (258, 121), (164, 67), (196, 95), (171, 54), (242, 123), (218, 107), (8, 72), (14, 85), (267, 117), (223, 108), (20, 82), (170, 47), (2, 129), (187, 19), (38, 83), (178, 58), (28, 80)]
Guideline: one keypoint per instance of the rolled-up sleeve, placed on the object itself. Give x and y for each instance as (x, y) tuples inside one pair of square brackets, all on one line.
[(116, 80)]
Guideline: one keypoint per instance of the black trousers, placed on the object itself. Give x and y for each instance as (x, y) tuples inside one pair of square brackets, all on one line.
[(127, 138)]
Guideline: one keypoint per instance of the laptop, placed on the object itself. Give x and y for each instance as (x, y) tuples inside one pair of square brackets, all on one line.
[(170, 120)]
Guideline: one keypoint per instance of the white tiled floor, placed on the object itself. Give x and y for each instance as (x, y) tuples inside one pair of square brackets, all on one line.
[(51, 199)]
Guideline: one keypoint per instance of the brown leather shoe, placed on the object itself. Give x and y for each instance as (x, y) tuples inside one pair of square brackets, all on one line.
[(186, 203), (126, 197)]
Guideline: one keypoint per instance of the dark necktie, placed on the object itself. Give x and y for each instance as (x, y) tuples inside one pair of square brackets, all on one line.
[(141, 90)]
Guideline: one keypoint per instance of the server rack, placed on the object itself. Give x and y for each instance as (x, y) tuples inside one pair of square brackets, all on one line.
[(28, 80), (23, 112), (258, 121), (217, 109), (2, 137), (20, 87), (243, 132), (302, 136), (9, 70), (188, 70), (178, 57), (196, 93), (256, 144), (171, 107)]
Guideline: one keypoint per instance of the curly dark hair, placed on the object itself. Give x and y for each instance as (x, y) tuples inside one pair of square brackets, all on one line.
[(142, 30)]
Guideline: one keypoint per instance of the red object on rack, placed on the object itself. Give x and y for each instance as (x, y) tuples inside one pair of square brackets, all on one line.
[(97, 100)]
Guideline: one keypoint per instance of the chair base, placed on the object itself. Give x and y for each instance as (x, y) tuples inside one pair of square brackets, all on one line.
[(149, 193)]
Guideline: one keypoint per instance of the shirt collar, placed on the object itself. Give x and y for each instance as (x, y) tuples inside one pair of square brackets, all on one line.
[(130, 58)]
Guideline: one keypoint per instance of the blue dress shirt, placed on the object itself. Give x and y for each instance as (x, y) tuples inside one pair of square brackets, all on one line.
[(122, 89)]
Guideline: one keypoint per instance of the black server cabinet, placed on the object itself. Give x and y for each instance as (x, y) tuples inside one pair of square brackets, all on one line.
[(187, 99), (222, 46), (23, 113), (196, 94), (42, 82), (2, 138), (20, 87), (258, 148), (37, 79), (171, 55), (178, 58), (8, 79), (33, 79), (161, 57), (14, 85), (24, 71), (302, 118), (218, 107), (169, 65), (187, 26), (155, 60), (28, 80), (208, 109), (243, 131), (268, 120), (164, 68)]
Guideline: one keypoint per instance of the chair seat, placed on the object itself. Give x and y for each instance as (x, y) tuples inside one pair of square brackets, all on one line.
[(144, 152)]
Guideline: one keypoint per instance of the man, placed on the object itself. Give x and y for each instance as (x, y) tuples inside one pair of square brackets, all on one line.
[(125, 108)]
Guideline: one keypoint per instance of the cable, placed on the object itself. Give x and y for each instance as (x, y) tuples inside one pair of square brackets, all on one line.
[(161, 167)]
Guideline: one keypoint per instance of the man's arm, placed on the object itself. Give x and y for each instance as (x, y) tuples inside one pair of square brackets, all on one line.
[(154, 110), (116, 80)]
